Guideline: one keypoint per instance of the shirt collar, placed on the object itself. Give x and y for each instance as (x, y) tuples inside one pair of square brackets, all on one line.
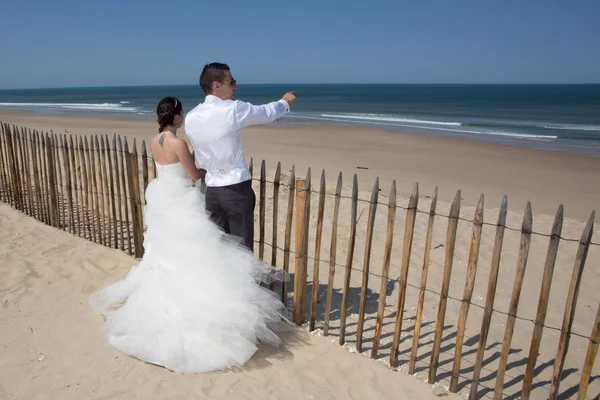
[(212, 98)]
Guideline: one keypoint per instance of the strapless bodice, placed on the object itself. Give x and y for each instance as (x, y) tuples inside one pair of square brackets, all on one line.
[(174, 169)]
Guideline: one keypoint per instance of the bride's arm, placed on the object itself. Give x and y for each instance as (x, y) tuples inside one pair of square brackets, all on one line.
[(187, 160)]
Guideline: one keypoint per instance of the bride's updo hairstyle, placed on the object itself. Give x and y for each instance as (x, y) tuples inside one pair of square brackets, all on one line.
[(166, 111)]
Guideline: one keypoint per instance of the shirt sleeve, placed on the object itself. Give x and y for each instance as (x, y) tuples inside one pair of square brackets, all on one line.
[(249, 114)]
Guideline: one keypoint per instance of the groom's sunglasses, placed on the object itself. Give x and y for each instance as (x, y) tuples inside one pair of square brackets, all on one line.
[(232, 82)]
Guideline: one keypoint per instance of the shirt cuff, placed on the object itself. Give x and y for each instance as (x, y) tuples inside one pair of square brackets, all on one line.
[(286, 106)]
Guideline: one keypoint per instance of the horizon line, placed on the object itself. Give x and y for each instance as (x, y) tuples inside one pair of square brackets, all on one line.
[(315, 84)]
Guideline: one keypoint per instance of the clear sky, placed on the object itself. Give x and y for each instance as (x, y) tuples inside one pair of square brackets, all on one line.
[(66, 43)]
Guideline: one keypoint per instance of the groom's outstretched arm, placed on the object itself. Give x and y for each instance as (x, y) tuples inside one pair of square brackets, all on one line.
[(250, 114)]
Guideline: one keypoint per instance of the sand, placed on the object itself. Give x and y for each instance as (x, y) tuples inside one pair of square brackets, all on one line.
[(545, 178), (52, 346)]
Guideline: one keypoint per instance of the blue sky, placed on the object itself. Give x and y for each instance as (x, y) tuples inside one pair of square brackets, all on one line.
[(49, 43)]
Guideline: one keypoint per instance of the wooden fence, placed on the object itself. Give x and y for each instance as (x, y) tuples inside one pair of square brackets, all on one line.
[(94, 187), (79, 184)]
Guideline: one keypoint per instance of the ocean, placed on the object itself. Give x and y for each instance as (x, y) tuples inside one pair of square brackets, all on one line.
[(551, 117)]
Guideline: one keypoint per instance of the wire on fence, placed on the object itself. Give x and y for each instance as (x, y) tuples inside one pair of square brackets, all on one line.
[(425, 289), (81, 189), (429, 213)]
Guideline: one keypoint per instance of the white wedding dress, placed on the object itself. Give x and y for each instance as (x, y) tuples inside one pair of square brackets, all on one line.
[(194, 303)]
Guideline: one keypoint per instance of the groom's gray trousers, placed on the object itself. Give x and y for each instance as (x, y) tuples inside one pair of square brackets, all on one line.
[(232, 208)]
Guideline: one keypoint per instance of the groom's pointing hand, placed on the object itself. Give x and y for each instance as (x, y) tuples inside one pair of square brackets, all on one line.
[(289, 97)]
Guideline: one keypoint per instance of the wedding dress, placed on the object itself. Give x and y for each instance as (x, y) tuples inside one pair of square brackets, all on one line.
[(194, 303)]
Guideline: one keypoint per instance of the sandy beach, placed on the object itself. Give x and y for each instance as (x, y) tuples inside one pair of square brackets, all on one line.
[(67, 269), (52, 346)]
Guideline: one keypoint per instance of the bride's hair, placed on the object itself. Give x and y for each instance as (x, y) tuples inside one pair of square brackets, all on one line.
[(166, 111)]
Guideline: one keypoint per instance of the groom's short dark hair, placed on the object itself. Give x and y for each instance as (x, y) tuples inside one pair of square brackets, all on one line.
[(213, 72)]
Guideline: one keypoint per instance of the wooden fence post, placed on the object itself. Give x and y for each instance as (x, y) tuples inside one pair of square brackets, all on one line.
[(288, 234), (349, 261), (16, 193), (136, 204), (565, 335), (424, 275), (332, 255), (52, 181), (145, 171), (491, 294), (69, 184), (538, 327), (112, 173), (468, 292), (590, 358), (441, 314), (409, 228), (3, 167), (74, 173), (60, 197), (315, 288), (366, 264), (123, 152), (302, 222), (385, 270), (262, 190), (87, 216), (514, 299), (94, 182), (276, 184)]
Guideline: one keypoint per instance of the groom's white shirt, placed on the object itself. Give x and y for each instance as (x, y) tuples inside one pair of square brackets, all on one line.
[(214, 130)]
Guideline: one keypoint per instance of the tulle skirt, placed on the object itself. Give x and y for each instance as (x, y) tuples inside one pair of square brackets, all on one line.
[(194, 303)]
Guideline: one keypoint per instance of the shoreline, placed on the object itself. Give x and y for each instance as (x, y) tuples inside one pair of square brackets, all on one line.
[(546, 178), (556, 144), (563, 145)]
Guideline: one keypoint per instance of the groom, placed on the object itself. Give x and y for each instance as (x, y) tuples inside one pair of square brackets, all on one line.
[(214, 130)]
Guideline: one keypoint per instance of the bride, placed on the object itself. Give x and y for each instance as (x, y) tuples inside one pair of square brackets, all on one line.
[(194, 303)]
